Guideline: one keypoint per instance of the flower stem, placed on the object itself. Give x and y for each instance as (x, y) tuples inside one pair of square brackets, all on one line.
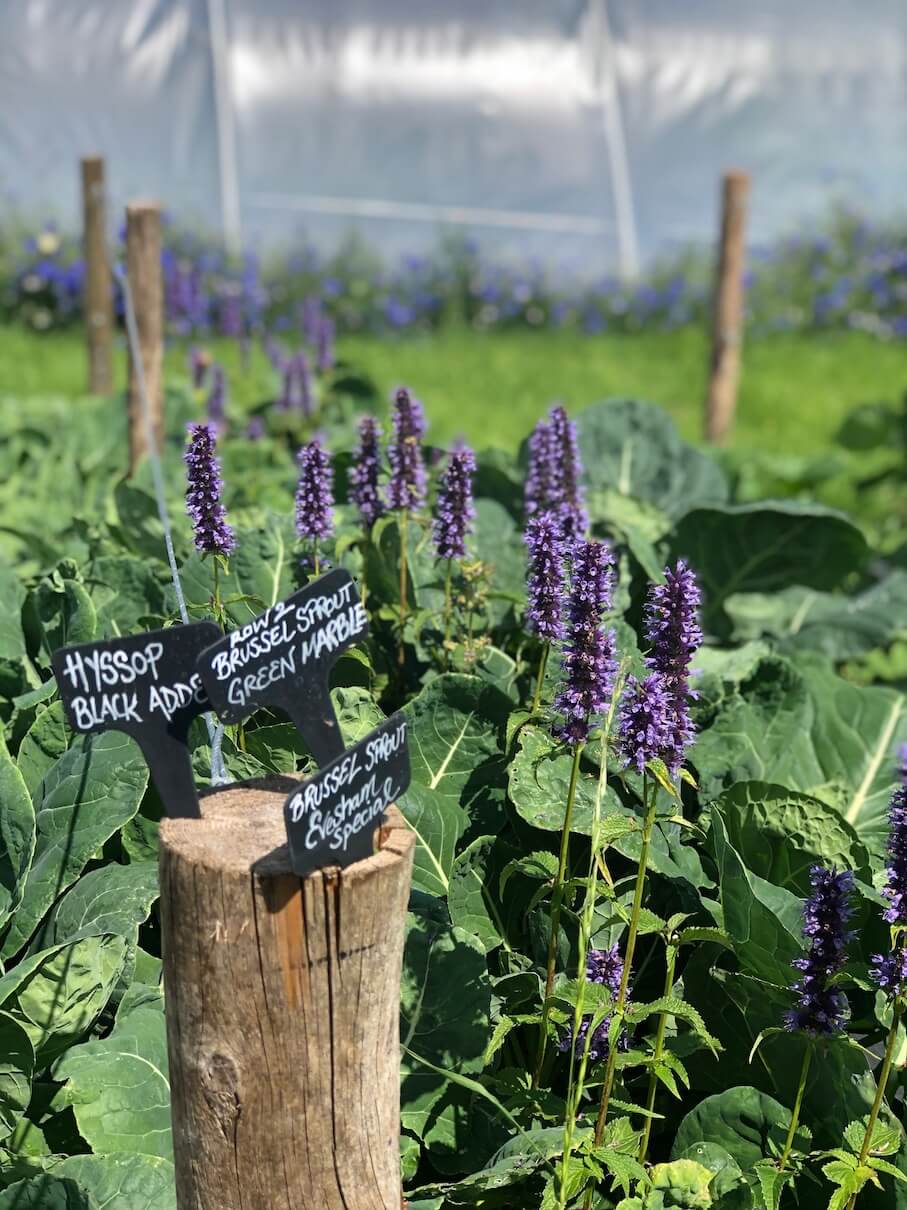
[(447, 613), (650, 795), (539, 680), (657, 1052), (404, 521), (577, 1079), (881, 1087), (315, 558), (556, 901), (798, 1104)]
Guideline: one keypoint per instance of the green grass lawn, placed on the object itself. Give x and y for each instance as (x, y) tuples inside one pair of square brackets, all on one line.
[(490, 387)]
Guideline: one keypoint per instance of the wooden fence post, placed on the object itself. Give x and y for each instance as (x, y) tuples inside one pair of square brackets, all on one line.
[(282, 1011), (143, 267), (727, 317), (98, 291)]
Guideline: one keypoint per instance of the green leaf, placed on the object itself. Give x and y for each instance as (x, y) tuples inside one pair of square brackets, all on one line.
[(57, 995), (742, 1120), (803, 727), (840, 627), (17, 834), (471, 895), (457, 770), (881, 1165), (66, 612), (539, 779), (683, 1183), (781, 834), (634, 449), (42, 746), (125, 592), (765, 547), (45, 1192), (448, 1031), (764, 920), (17, 1065), (886, 1137), (118, 1086), (114, 899), (771, 1183), (12, 595), (92, 790), (675, 1007), (127, 1182), (260, 573)]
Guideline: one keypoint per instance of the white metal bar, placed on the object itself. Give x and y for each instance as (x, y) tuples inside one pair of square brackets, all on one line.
[(616, 141), (226, 129), (575, 224)]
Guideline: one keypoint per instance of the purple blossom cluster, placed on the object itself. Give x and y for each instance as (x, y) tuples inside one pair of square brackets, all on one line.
[(644, 723), (211, 532), (365, 492), (455, 513), (314, 493), (406, 488), (889, 972), (674, 635), (605, 967), (820, 1009), (895, 889), (545, 578), (589, 655), (554, 474)]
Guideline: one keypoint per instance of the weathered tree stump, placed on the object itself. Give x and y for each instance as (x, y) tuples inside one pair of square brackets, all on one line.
[(282, 1011)]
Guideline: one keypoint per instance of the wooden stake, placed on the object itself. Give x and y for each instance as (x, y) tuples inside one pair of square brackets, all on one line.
[(727, 319), (143, 266), (98, 297), (282, 1011)]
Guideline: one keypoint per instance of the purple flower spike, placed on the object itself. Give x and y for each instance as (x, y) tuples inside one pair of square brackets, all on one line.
[(895, 889), (216, 406), (820, 1009), (199, 364), (605, 967), (325, 345), (673, 632), (304, 380), (555, 470), (256, 428), (211, 533), (364, 473), (542, 487), (589, 657), (889, 973), (545, 579), (314, 493), (455, 509), (575, 517), (645, 721), (406, 489)]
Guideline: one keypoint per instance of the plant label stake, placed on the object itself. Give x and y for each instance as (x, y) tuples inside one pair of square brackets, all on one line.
[(283, 659), (146, 686), (331, 818)]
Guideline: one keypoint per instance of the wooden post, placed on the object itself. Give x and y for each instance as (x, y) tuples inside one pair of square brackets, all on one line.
[(282, 1011), (98, 295), (727, 318), (143, 266)]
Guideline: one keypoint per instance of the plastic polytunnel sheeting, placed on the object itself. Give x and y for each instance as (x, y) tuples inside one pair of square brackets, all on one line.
[(130, 79), (583, 130)]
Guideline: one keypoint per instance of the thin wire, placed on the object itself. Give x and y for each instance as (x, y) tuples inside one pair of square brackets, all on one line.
[(219, 773)]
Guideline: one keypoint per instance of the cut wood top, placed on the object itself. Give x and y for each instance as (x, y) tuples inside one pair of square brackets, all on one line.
[(242, 830)]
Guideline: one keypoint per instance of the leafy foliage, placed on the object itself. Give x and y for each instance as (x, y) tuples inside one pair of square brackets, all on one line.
[(794, 764)]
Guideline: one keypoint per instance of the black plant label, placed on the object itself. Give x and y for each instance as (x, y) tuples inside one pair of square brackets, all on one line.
[(283, 659), (331, 817), (146, 685)]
